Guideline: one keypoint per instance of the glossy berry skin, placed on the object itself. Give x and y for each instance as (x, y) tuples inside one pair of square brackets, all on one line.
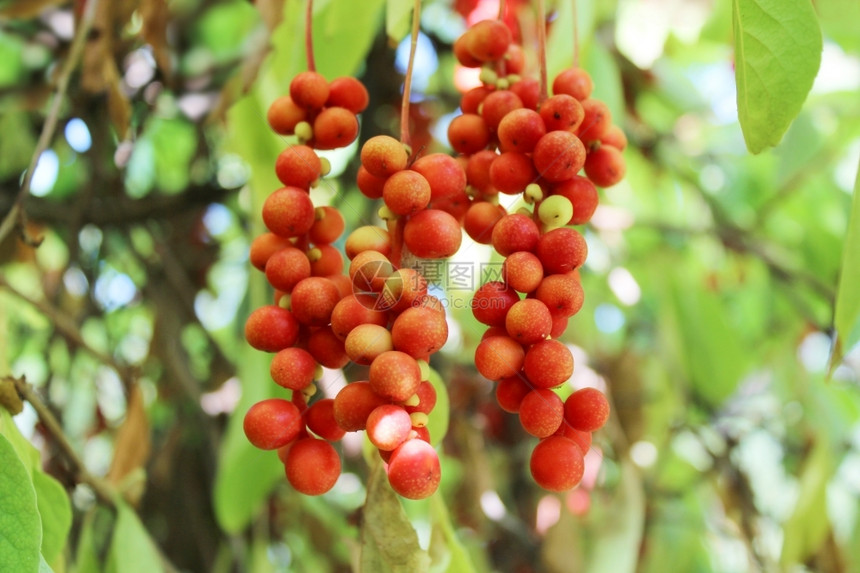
[(515, 232), (432, 234), (327, 349), (559, 155), (605, 166), (445, 175), (288, 212), (491, 302), (480, 219), (312, 466), (320, 420), (596, 121), (309, 90), (541, 412), (313, 300), (510, 393), (548, 364), (562, 250), (284, 114), (271, 328), (587, 409), (528, 321), (582, 194), (367, 341), (574, 82), (293, 368), (264, 246), (468, 133), (562, 294), (286, 268), (522, 271), (388, 426), (488, 40), (272, 423), (498, 357), (335, 127), (413, 469), (557, 464), (394, 375), (419, 332), (520, 130), (383, 156), (298, 166), (511, 172), (405, 192), (354, 403), (562, 112), (325, 260), (349, 93)]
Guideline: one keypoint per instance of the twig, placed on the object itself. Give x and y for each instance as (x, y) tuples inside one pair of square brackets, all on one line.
[(541, 30), (405, 136), (16, 215), (104, 492), (66, 326), (309, 36)]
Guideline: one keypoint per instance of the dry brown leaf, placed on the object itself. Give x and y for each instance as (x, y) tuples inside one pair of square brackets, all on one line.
[(132, 444), (155, 15)]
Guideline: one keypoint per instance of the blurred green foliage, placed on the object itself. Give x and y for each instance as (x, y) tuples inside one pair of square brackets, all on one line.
[(722, 312)]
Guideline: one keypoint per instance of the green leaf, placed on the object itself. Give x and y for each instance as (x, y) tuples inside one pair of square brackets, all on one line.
[(444, 534), (807, 528), (839, 21), (55, 510), (132, 549), (20, 529), (389, 544), (246, 475), (43, 565), (87, 554), (777, 54), (398, 18), (847, 313)]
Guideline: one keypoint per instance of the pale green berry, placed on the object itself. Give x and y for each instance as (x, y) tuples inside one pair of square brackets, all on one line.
[(555, 211)]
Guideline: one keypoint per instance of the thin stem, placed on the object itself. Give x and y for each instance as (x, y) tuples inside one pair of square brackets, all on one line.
[(502, 9), (309, 36), (541, 30), (575, 35), (16, 215), (405, 137)]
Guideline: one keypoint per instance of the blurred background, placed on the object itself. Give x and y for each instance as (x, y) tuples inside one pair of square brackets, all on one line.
[(734, 443)]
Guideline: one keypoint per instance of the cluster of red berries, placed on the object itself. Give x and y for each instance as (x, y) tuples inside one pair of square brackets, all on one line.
[(379, 313), (516, 144), (375, 315)]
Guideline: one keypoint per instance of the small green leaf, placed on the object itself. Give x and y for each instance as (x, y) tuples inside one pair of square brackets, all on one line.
[(389, 544), (847, 313), (132, 549), (777, 54), (20, 529), (398, 18), (87, 554), (55, 510)]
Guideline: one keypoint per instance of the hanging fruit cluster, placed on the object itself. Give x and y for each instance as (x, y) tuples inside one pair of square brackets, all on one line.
[(511, 139)]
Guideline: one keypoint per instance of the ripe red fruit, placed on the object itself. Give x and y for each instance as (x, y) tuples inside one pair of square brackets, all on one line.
[(383, 156), (462, 53), (293, 368), (515, 232), (353, 310), (471, 101), (271, 328), (548, 364), (559, 155), (313, 300), (582, 194), (562, 112), (367, 238), (432, 234), (328, 226), (491, 302), (298, 166), (488, 40), (426, 393), (354, 403), (388, 426), (349, 93), (270, 424), (264, 246), (587, 409), (446, 175), (312, 466), (498, 357), (574, 82), (605, 166), (288, 212), (335, 127), (405, 192), (582, 439), (529, 91), (413, 469), (528, 321), (367, 341), (395, 375), (478, 171), (596, 122), (403, 289), (510, 393), (319, 418), (419, 332), (562, 294), (541, 412), (468, 133), (284, 114), (561, 250), (520, 130), (370, 185), (327, 349), (480, 219), (615, 137), (522, 271), (497, 105), (557, 464), (286, 268), (512, 171), (309, 90)]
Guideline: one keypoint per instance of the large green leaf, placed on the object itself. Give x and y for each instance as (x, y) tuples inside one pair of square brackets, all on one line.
[(446, 549), (777, 54), (20, 528), (847, 313), (437, 423), (132, 549), (389, 544), (55, 510)]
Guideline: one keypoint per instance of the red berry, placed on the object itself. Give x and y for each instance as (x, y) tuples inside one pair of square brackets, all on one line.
[(586, 409), (557, 464), (270, 424), (312, 466), (413, 469)]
